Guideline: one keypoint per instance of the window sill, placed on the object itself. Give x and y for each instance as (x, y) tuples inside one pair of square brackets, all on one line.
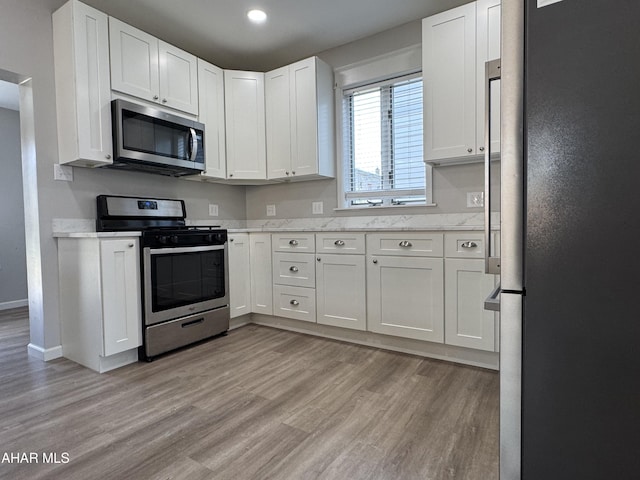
[(386, 207)]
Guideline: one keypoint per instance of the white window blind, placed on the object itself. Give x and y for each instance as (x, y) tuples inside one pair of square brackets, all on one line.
[(382, 140)]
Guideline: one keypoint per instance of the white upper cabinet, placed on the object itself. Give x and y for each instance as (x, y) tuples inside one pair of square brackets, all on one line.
[(449, 79), (299, 121), (245, 125), (83, 90), (211, 108), (455, 46), (488, 48), (152, 70)]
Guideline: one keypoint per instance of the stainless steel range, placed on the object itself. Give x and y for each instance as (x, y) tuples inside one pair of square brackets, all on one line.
[(184, 269)]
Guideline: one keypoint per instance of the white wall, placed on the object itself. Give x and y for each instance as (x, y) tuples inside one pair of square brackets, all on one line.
[(26, 39), (13, 263), (450, 184)]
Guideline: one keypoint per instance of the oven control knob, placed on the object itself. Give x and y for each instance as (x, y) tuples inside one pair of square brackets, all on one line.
[(162, 239), (174, 239)]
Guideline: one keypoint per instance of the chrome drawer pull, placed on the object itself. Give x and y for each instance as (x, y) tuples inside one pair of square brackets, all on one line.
[(469, 245), (295, 303), (293, 269), (405, 244), (293, 243), (339, 243)]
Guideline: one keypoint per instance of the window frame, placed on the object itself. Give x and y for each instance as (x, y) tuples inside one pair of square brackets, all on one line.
[(369, 73)]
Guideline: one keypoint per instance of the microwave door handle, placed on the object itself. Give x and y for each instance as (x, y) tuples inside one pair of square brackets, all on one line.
[(492, 73), (194, 145)]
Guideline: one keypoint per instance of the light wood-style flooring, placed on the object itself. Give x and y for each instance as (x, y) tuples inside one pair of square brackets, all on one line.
[(259, 404)]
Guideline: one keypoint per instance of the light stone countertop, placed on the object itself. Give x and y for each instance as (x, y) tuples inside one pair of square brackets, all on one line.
[(85, 228)]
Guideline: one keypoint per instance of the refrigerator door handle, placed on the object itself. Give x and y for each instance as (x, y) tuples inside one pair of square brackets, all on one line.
[(492, 73), (492, 302)]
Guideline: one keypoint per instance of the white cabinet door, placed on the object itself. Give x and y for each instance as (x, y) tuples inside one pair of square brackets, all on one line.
[(178, 78), (211, 113), (488, 48), (134, 61), (261, 279), (340, 291), (467, 323), (239, 275), (278, 123), (83, 86), (405, 297), (300, 128), (121, 304), (304, 117), (449, 76), (245, 123)]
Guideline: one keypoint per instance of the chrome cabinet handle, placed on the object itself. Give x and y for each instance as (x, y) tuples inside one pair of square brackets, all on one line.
[(469, 150), (375, 260), (293, 173), (293, 269), (469, 245), (107, 156), (286, 173), (293, 243), (319, 259), (295, 303), (482, 149), (164, 100), (405, 244), (155, 97), (231, 239), (131, 245), (339, 243)]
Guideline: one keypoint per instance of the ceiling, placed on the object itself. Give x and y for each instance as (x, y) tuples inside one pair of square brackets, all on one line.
[(218, 30)]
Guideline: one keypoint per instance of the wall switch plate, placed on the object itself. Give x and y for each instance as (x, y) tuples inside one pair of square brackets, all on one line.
[(317, 208), (63, 172), (475, 199), (271, 210), (213, 210)]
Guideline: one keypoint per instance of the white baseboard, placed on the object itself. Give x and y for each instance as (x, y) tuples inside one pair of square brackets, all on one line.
[(14, 304), (467, 356), (44, 354)]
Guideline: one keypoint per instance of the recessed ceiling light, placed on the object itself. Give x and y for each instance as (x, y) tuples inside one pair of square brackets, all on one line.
[(257, 16)]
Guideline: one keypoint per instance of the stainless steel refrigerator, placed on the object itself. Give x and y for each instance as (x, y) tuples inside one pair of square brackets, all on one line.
[(570, 240)]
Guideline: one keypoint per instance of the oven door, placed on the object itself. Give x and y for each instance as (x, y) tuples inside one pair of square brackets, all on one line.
[(182, 281)]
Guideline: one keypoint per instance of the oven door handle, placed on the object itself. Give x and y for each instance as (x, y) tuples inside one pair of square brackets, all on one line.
[(164, 251)]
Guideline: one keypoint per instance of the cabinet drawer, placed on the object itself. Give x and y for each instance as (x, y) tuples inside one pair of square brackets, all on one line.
[(294, 302), (293, 242), (295, 269), (464, 245), (340, 242), (405, 244)]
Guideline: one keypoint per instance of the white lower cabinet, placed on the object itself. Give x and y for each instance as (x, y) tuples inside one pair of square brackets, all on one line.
[(261, 279), (239, 273), (100, 301), (467, 323), (341, 291), (405, 297), (298, 303)]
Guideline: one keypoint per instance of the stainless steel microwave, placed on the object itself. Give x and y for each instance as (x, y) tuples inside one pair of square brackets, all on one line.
[(154, 141)]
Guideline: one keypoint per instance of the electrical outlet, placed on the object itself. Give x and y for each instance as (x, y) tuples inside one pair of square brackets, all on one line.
[(62, 172), (317, 208), (213, 210), (475, 199), (271, 210)]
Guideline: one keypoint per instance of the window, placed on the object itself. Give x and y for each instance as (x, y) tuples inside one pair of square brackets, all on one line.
[(382, 143)]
